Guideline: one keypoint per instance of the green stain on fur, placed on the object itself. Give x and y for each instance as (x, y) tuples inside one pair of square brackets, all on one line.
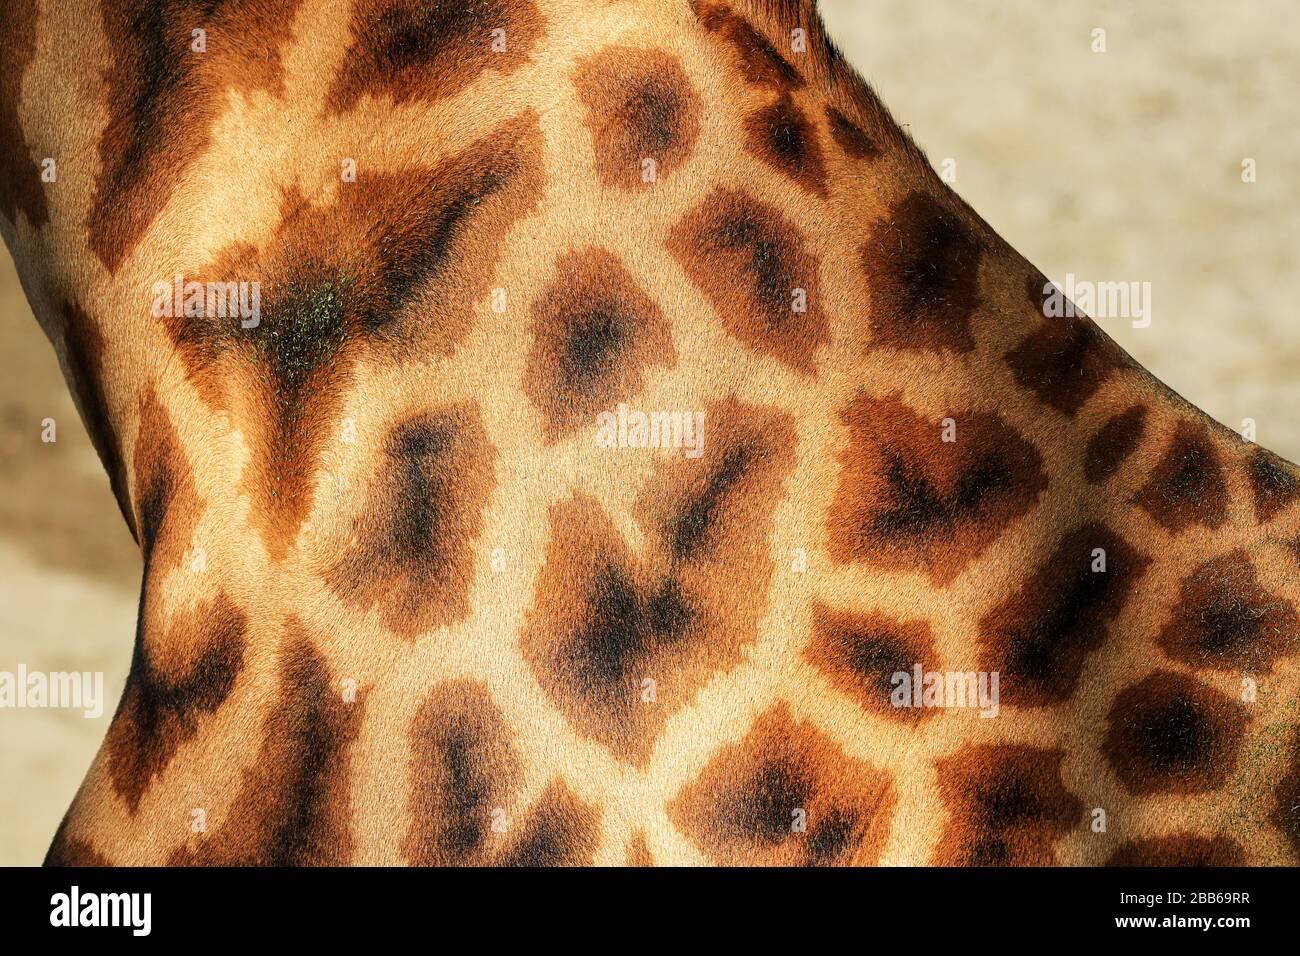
[(306, 328)]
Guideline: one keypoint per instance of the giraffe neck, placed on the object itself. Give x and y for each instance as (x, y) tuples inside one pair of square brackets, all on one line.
[(395, 581)]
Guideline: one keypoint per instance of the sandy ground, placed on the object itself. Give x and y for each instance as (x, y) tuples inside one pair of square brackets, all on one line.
[(69, 580), (1115, 166)]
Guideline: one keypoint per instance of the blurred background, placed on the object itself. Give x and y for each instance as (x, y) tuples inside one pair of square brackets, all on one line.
[(1115, 166)]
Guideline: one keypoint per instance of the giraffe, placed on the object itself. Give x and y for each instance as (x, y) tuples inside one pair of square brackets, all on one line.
[(400, 602)]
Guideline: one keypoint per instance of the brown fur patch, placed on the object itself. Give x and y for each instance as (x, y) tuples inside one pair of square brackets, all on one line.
[(638, 853), (922, 269), (69, 851), (1113, 443), (1183, 849), (1225, 620), (462, 769), (758, 61), (749, 260), (412, 546), (1286, 810), (21, 189), (595, 333), (786, 795), (292, 807), (1063, 360), (851, 137), (166, 502), (639, 105), (390, 270), (464, 773), (1274, 482), (405, 50), (782, 136), (176, 680), (1040, 636), (1187, 486), (1008, 806), (601, 622), (161, 92), (1170, 733), (908, 501), (560, 830), (860, 653)]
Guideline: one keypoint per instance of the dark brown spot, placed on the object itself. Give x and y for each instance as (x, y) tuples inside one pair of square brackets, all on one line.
[(602, 623), (850, 136), (162, 92), (1169, 733), (1274, 483), (1064, 360), (411, 549), (1183, 849), (922, 270), (464, 778), (757, 59), (786, 795), (861, 653), (167, 505), (1187, 486), (560, 830), (595, 334), (177, 679), (20, 178), (292, 807), (782, 137), (1225, 620), (1286, 809), (462, 770), (1111, 446), (1007, 806), (69, 851), (407, 50), (751, 264), (1040, 636), (907, 500), (640, 106)]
